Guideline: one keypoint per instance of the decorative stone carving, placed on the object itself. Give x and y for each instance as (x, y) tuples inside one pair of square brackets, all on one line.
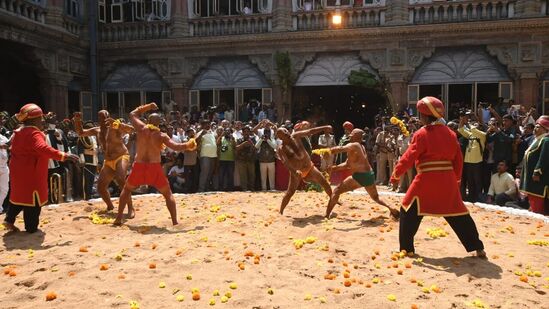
[(545, 52), (231, 72), (376, 58), (264, 64), (77, 66), (160, 65), (176, 65), (62, 63), (416, 56), (506, 53), (299, 60), (529, 52), (397, 57), (194, 65), (47, 59)]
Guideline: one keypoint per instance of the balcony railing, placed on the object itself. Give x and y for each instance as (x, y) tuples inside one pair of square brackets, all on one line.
[(350, 18), (71, 25), (229, 25), (134, 31), (25, 9), (462, 11)]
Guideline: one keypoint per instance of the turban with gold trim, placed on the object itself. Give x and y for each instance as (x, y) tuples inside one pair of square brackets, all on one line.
[(29, 111), (431, 106), (543, 121)]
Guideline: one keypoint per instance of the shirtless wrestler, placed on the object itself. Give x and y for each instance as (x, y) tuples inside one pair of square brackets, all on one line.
[(110, 135), (363, 175), (294, 156), (146, 169)]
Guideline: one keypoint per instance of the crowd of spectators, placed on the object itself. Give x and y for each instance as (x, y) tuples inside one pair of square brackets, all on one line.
[(241, 154)]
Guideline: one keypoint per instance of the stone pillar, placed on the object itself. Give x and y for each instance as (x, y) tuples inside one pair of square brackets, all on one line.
[(55, 94), (282, 15), (398, 89), (180, 18), (397, 12), (281, 103), (527, 8), (54, 16), (527, 90), (180, 94)]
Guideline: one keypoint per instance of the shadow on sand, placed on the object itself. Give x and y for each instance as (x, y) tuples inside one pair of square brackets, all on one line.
[(476, 267), (23, 241), (151, 229)]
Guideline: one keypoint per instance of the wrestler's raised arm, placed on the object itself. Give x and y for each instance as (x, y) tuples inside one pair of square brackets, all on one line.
[(78, 128), (188, 146), (339, 167), (312, 131), (138, 112), (340, 149), (124, 128)]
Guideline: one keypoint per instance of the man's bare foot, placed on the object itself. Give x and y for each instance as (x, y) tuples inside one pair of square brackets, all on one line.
[(110, 207), (131, 213), (481, 254), (175, 222), (10, 227), (117, 222)]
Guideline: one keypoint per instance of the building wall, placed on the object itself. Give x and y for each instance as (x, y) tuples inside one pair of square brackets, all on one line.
[(394, 38)]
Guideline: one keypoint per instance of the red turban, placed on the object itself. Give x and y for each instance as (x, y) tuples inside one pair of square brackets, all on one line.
[(431, 106), (348, 126), (29, 111), (543, 121)]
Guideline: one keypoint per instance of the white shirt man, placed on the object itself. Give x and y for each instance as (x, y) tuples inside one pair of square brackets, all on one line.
[(502, 186), (229, 115), (4, 170), (326, 141)]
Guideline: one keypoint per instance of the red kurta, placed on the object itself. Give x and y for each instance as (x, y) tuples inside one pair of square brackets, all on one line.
[(437, 156), (29, 166)]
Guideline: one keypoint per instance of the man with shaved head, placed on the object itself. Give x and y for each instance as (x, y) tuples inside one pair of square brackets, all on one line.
[(294, 156), (110, 134), (362, 173), (146, 169)]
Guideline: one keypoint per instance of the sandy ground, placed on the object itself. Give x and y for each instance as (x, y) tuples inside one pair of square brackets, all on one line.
[(207, 253)]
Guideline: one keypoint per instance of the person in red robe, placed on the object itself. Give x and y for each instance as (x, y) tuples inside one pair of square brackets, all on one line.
[(435, 191), (29, 168)]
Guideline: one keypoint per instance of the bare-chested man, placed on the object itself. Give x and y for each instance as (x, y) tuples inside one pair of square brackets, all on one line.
[(110, 134), (146, 169), (363, 175), (295, 157)]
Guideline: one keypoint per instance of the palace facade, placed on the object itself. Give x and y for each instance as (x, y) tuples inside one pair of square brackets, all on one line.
[(84, 55)]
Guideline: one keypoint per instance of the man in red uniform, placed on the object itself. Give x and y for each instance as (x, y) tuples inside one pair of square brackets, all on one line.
[(435, 190), (29, 168)]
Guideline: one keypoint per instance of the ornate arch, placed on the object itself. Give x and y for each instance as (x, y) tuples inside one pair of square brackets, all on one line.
[(460, 65), (332, 69), (132, 77), (231, 73)]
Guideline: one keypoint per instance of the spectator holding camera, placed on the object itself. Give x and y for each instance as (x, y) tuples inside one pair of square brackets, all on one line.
[(503, 139), (245, 156), (266, 146), (208, 155), (471, 182), (226, 144), (502, 186)]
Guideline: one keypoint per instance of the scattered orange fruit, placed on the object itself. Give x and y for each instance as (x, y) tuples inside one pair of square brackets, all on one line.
[(154, 246), (414, 306), (347, 283), (368, 285), (346, 275), (196, 296), (104, 267), (330, 260), (137, 244), (83, 249), (524, 278), (408, 265), (152, 265), (12, 273), (329, 276), (337, 291), (121, 276), (51, 296), (71, 273), (400, 271)]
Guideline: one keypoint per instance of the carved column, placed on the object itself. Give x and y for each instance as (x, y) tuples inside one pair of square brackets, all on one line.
[(398, 89), (397, 12), (180, 95), (180, 18), (527, 89), (54, 17), (55, 94), (282, 15)]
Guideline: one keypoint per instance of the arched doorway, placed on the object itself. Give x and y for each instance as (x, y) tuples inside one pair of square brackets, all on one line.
[(461, 77), (19, 80), (230, 83), (322, 93), (131, 85)]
